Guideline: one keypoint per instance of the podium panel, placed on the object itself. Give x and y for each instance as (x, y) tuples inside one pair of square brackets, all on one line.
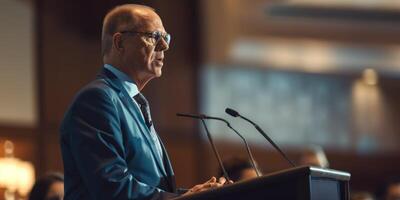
[(301, 183)]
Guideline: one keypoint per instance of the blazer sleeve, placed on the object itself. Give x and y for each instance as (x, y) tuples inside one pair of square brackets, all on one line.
[(94, 136)]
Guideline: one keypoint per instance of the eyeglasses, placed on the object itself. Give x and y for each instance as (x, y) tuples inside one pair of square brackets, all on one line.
[(156, 35)]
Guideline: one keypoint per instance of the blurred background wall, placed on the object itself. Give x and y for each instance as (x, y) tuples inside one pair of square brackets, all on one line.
[(310, 72)]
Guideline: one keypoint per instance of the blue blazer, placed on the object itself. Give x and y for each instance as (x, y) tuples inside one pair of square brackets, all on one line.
[(107, 149)]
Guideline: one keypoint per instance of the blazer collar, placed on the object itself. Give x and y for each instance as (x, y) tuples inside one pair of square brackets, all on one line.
[(113, 80)]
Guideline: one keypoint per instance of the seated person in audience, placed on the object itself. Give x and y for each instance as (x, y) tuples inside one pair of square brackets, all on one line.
[(48, 187), (314, 156), (239, 169), (361, 196), (391, 190)]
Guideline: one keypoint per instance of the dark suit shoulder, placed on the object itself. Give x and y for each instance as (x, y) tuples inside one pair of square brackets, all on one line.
[(98, 94), (98, 86)]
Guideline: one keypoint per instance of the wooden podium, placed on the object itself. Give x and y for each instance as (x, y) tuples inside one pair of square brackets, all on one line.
[(300, 183)]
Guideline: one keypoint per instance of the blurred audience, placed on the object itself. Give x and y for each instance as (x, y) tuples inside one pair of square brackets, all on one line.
[(314, 156), (390, 190), (239, 169), (48, 187), (362, 196)]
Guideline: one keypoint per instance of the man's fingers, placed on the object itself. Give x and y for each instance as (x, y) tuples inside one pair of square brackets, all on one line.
[(212, 185), (221, 180), (209, 186), (196, 188), (213, 179), (206, 186)]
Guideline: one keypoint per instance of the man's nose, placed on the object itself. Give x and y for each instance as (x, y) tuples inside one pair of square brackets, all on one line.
[(160, 55), (162, 45)]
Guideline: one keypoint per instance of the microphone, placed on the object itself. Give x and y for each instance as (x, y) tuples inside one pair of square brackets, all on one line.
[(202, 117), (234, 113), (253, 163)]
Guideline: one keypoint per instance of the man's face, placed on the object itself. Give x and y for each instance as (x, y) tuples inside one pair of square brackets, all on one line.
[(143, 54)]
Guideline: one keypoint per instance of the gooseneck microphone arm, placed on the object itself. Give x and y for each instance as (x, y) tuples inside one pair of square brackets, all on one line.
[(234, 113), (202, 117), (253, 163)]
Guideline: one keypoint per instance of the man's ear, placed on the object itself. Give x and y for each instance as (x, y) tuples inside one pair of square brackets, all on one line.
[(118, 42)]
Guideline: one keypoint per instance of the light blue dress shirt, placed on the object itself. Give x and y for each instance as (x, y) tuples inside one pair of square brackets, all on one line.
[(133, 90)]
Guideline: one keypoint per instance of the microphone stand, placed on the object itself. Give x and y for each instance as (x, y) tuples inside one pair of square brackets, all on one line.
[(202, 117), (215, 150), (244, 141), (234, 113)]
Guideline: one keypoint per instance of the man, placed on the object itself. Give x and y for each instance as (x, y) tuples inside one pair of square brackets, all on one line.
[(391, 189), (362, 195), (109, 145), (49, 187)]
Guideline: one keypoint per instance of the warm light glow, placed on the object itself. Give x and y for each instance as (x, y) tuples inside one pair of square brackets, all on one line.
[(26, 177), (15, 175), (313, 56), (370, 77), (368, 114), (376, 4)]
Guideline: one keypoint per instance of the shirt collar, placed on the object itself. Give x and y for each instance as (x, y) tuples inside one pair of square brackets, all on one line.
[(127, 82)]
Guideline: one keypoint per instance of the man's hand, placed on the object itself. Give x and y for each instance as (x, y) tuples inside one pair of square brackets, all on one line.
[(210, 184)]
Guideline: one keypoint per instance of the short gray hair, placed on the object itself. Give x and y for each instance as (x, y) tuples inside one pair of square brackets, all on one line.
[(116, 19)]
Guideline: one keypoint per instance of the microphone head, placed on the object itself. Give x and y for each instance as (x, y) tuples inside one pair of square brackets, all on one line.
[(231, 112)]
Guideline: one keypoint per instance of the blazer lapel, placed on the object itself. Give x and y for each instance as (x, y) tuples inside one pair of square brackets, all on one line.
[(168, 167), (132, 108)]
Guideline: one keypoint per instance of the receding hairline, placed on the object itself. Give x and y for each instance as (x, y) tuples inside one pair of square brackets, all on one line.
[(114, 20), (135, 11)]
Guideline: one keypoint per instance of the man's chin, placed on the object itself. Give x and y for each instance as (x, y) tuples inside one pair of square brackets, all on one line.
[(157, 72)]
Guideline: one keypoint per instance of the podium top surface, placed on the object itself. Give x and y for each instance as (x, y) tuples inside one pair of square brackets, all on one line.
[(287, 175), (312, 171)]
